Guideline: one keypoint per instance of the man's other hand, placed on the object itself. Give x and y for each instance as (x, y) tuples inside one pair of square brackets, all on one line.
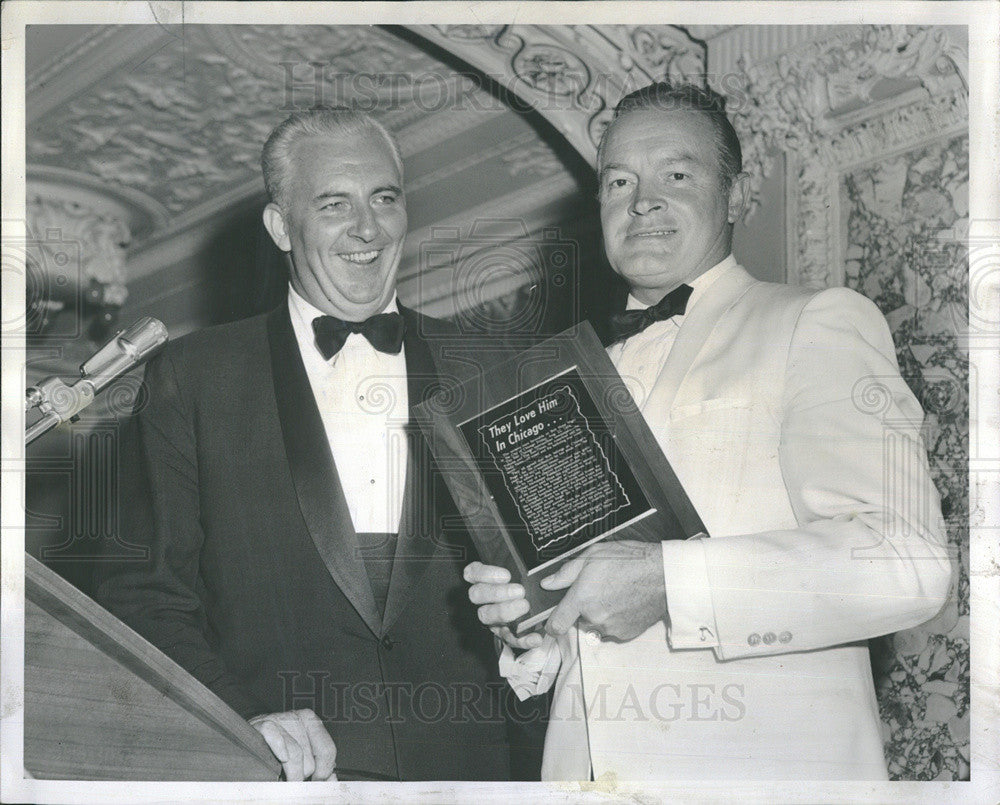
[(300, 741), (499, 602), (616, 588)]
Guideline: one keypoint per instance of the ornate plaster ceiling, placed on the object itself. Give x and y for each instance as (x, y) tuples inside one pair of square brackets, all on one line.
[(173, 122)]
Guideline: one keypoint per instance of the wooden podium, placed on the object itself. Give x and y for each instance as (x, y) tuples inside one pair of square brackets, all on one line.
[(102, 703)]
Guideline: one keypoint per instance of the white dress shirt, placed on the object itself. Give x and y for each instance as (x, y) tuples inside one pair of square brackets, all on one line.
[(691, 617), (362, 398)]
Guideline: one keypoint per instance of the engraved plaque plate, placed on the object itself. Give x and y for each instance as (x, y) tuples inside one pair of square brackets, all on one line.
[(546, 454)]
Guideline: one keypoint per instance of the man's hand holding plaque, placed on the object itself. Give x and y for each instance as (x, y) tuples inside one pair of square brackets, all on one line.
[(500, 602), (614, 588)]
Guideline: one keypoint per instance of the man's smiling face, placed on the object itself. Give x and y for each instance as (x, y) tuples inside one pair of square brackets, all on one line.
[(666, 213), (343, 219)]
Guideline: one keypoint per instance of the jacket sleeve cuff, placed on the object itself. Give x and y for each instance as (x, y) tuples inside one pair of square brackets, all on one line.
[(690, 614)]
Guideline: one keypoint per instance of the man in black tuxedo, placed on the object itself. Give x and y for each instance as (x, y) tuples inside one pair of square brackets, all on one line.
[(304, 558)]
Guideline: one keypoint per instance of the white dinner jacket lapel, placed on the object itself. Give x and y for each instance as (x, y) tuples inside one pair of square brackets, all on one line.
[(693, 334)]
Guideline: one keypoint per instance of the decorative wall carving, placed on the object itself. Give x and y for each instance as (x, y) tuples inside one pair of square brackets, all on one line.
[(659, 53), (838, 101), (99, 244), (816, 260), (75, 260), (551, 69)]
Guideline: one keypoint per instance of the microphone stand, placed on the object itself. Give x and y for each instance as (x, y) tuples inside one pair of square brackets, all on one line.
[(58, 401)]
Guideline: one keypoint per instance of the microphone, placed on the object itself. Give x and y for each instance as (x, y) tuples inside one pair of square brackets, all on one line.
[(129, 348), (126, 350)]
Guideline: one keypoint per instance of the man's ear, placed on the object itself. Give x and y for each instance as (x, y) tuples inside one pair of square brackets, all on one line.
[(739, 197), (274, 223)]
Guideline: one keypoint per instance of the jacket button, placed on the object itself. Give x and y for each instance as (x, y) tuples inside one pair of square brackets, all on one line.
[(769, 638), (387, 642), (785, 637), (754, 639)]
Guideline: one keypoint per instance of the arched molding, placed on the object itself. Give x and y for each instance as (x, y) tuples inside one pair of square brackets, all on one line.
[(573, 75)]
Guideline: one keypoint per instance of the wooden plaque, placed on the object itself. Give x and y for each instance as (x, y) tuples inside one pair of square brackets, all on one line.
[(546, 454)]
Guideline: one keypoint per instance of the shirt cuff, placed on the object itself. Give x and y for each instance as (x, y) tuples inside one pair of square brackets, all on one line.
[(690, 614), (532, 672)]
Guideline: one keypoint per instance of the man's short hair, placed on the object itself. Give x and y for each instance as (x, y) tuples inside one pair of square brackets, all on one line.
[(319, 121), (664, 96)]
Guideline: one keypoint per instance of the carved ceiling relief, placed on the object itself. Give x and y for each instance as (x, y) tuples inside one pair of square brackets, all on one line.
[(661, 54), (574, 75), (183, 129)]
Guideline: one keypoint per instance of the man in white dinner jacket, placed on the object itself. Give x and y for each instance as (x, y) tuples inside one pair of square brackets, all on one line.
[(782, 411)]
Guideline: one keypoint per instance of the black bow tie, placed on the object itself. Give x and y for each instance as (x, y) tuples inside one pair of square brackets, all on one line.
[(625, 325), (384, 331)]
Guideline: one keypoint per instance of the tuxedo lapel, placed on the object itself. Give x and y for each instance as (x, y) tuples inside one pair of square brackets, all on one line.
[(422, 500), (317, 484), (694, 332)]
